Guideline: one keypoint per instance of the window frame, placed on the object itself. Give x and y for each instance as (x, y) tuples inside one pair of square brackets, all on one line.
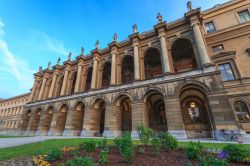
[(215, 27), (238, 16), (247, 106), (224, 63), (223, 48)]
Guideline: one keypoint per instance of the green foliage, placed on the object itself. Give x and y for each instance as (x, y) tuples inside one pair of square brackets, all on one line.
[(103, 156), (104, 143), (168, 142), (126, 147), (75, 152), (89, 146), (80, 161), (193, 150), (237, 153), (53, 155), (212, 161), (145, 134), (188, 163), (156, 145), (141, 150)]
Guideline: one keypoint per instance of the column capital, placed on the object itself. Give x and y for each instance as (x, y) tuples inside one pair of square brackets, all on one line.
[(113, 45), (193, 16), (161, 27), (135, 37), (80, 59)]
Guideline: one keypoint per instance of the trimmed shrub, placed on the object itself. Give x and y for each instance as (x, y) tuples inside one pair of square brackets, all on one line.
[(237, 153), (126, 147), (145, 134), (80, 161), (89, 146), (156, 145), (212, 161), (103, 156), (193, 150), (168, 142), (75, 152), (53, 155)]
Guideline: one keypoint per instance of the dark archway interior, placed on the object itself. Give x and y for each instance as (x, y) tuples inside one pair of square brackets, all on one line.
[(73, 82), (106, 76), (127, 69), (89, 78), (152, 63), (183, 55), (102, 117), (126, 115)]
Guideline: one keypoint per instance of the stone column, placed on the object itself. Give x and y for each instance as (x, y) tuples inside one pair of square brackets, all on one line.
[(205, 60), (51, 90), (136, 61), (113, 68), (94, 74), (78, 78), (30, 124), (33, 91), (42, 88), (165, 60), (65, 79), (174, 118), (87, 128)]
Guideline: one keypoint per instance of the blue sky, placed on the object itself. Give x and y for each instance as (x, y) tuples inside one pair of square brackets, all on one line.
[(34, 32)]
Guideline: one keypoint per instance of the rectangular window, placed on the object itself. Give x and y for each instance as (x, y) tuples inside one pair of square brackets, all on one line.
[(244, 16), (226, 72), (210, 27), (217, 48)]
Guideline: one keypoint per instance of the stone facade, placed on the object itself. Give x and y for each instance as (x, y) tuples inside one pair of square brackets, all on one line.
[(189, 77), (11, 111)]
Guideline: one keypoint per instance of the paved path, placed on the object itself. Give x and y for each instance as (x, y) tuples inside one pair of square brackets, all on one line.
[(11, 142)]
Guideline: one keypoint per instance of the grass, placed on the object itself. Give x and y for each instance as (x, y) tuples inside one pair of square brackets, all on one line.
[(12, 136), (46, 146)]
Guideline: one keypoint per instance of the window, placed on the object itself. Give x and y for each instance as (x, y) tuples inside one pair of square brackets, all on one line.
[(226, 72), (217, 48), (241, 111), (210, 27), (244, 16)]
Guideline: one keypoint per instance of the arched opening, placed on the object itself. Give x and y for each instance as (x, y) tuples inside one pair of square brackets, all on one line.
[(241, 111), (152, 63), (106, 75), (61, 119), (183, 55), (36, 120), (127, 69), (89, 79), (156, 110), (46, 120), (58, 86), (77, 120), (124, 116), (73, 82), (26, 120), (98, 117), (195, 113)]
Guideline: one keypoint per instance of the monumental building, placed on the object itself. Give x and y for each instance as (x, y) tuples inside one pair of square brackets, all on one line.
[(190, 77)]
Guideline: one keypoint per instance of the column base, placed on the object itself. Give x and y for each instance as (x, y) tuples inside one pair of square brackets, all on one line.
[(30, 133), (55, 133), (87, 133), (41, 133), (178, 134), (112, 133), (71, 133)]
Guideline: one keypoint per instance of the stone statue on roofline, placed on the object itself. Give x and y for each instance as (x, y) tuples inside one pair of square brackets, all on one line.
[(159, 18), (97, 44), (189, 6), (69, 56), (82, 51), (58, 61), (40, 69), (115, 37), (49, 66), (134, 28)]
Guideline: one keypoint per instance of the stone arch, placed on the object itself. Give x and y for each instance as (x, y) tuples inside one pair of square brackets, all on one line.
[(105, 76), (127, 69), (72, 82), (36, 119), (183, 55), (241, 109), (152, 63), (26, 119), (155, 109), (123, 112), (98, 116), (58, 87), (88, 78), (46, 119), (195, 112), (77, 117)]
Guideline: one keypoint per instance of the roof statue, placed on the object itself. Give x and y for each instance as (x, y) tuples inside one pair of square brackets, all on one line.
[(69, 56), (115, 37), (189, 6), (40, 68), (82, 51), (134, 28), (159, 18), (97, 44), (58, 61), (49, 65)]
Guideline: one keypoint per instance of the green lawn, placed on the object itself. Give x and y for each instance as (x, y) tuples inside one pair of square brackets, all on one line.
[(45, 146), (12, 136)]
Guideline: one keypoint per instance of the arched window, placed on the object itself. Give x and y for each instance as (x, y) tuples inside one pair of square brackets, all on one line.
[(73, 80), (241, 111), (183, 55), (152, 63), (127, 69), (89, 79), (106, 76)]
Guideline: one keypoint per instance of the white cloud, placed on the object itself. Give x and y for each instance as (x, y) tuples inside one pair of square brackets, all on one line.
[(13, 65), (49, 43)]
